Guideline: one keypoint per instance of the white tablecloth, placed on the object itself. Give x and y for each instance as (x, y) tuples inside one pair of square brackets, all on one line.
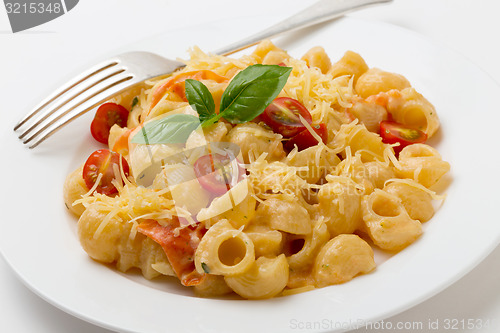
[(469, 27)]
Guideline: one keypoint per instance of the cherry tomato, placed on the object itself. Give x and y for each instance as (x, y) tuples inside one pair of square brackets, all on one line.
[(282, 115), (305, 139), (106, 116), (392, 132), (101, 162), (216, 174)]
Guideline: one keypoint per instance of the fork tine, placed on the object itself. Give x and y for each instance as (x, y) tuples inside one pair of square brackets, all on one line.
[(68, 99), (90, 101), (65, 88)]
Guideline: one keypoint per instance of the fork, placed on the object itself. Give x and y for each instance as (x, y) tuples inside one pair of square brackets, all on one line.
[(111, 77)]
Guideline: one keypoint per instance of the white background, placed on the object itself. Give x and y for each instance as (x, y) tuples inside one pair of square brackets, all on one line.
[(469, 27)]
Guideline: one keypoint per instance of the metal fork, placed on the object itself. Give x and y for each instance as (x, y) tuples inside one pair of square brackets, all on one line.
[(113, 76)]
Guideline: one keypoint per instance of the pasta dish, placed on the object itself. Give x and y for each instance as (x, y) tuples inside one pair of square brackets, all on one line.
[(263, 175)]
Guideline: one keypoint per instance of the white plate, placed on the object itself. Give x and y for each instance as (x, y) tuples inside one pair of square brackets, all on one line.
[(38, 236)]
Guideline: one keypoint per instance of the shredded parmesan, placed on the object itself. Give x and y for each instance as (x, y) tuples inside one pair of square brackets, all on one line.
[(97, 181), (132, 204)]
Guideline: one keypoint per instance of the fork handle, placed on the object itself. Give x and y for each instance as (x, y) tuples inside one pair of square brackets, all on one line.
[(321, 11)]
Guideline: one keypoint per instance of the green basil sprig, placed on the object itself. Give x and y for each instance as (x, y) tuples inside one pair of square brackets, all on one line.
[(247, 95)]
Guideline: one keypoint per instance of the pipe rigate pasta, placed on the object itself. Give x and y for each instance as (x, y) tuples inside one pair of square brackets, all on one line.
[(313, 163), (303, 258), (266, 278), (275, 57), (351, 63), (339, 205), (421, 163), (212, 286), (341, 259), (375, 80), (415, 110), (74, 189), (284, 215), (368, 144), (266, 241), (417, 202), (225, 251), (317, 57), (254, 140), (369, 114), (387, 222)]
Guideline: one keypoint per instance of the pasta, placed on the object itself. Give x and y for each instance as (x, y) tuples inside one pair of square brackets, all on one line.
[(341, 259), (235, 186), (387, 221)]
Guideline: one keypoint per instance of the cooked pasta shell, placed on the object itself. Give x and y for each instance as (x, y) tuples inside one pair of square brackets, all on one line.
[(339, 205), (74, 188), (421, 163), (417, 202), (376, 80), (265, 279), (341, 259), (224, 250), (416, 111), (284, 215), (351, 63), (387, 222), (317, 57)]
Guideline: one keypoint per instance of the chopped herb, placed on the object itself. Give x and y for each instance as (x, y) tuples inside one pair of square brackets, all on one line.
[(205, 268), (135, 101)]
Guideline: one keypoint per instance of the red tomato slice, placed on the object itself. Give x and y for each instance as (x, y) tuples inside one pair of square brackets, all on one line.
[(179, 248), (282, 115), (106, 116), (305, 139), (101, 162), (216, 174), (392, 132)]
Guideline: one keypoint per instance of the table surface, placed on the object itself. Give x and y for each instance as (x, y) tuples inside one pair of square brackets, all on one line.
[(462, 25)]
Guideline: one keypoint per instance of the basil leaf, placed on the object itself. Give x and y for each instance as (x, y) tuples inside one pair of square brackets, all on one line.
[(200, 99), (175, 128), (251, 91)]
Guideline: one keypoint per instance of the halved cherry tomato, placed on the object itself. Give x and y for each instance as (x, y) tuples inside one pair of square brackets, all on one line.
[(216, 173), (101, 162), (392, 132), (177, 85), (282, 115), (305, 139), (179, 244), (106, 116)]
